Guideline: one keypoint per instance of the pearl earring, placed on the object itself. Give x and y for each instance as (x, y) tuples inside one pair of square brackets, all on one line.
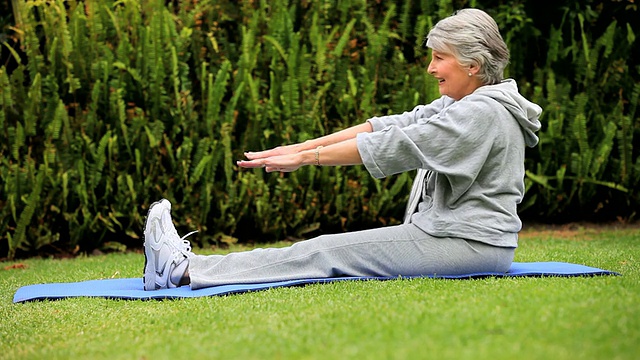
[(470, 74)]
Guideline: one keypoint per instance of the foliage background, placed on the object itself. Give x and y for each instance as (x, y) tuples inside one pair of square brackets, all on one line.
[(107, 106)]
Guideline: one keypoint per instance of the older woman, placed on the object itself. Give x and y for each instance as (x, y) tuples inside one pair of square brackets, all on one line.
[(468, 146)]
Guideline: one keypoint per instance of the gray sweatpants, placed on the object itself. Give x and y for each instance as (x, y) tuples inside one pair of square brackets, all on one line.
[(389, 251)]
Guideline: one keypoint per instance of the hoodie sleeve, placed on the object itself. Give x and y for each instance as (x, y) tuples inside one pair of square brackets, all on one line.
[(454, 142), (410, 117)]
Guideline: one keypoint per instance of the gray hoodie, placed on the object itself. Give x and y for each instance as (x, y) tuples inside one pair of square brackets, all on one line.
[(470, 156)]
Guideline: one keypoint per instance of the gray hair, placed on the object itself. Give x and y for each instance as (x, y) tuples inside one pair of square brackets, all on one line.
[(473, 37)]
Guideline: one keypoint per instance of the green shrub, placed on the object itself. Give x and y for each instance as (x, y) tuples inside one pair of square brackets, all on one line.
[(586, 166), (107, 107)]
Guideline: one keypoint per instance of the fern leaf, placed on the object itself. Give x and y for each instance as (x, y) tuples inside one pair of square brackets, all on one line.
[(555, 43), (278, 47), (175, 74), (580, 123), (344, 38), (6, 99), (603, 151), (99, 158), (225, 133), (131, 187), (607, 39), (202, 150), (200, 168), (405, 19), (633, 100), (117, 108), (625, 148), (55, 125), (33, 108), (215, 95), (20, 237), (18, 136), (590, 72)]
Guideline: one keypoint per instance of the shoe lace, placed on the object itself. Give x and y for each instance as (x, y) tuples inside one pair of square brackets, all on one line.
[(181, 244), (186, 244)]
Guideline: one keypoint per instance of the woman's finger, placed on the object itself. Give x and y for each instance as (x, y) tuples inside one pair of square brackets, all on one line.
[(254, 155), (277, 151), (250, 163)]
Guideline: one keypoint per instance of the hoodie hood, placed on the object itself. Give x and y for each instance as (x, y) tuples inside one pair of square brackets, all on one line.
[(524, 111)]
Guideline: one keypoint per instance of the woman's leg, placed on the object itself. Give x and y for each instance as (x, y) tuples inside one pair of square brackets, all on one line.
[(390, 251)]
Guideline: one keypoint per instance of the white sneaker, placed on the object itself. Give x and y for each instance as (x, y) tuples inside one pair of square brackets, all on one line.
[(165, 252)]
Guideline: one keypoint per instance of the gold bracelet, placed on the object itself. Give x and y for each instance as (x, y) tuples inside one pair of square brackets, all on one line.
[(317, 154)]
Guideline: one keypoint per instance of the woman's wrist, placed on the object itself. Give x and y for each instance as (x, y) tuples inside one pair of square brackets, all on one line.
[(310, 144), (311, 157), (316, 156)]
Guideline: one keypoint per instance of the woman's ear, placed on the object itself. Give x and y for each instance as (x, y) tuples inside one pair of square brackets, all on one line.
[(473, 69)]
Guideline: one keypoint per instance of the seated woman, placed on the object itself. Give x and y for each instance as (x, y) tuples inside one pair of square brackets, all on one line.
[(468, 146)]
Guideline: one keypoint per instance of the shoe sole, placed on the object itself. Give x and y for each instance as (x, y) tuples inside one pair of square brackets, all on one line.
[(149, 282)]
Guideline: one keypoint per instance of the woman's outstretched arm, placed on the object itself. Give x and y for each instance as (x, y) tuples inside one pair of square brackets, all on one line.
[(327, 140), (341, 153)]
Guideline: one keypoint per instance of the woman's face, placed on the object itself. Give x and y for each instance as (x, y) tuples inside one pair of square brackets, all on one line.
[(453, 79)]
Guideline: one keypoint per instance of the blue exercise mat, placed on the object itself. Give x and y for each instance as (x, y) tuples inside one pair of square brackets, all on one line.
[(132, 288)]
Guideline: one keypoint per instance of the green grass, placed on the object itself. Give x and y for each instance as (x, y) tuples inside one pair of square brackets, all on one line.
[(523, 318)]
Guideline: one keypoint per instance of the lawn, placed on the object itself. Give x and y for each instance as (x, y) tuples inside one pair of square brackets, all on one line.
[(493, 318)]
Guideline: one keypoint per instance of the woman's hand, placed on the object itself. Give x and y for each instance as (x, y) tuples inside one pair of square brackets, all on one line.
[(343, 153), (339, 149), (281, 163), (280, 150)]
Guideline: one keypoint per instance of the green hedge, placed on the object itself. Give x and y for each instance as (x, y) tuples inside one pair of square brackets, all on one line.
[(108, 106)]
